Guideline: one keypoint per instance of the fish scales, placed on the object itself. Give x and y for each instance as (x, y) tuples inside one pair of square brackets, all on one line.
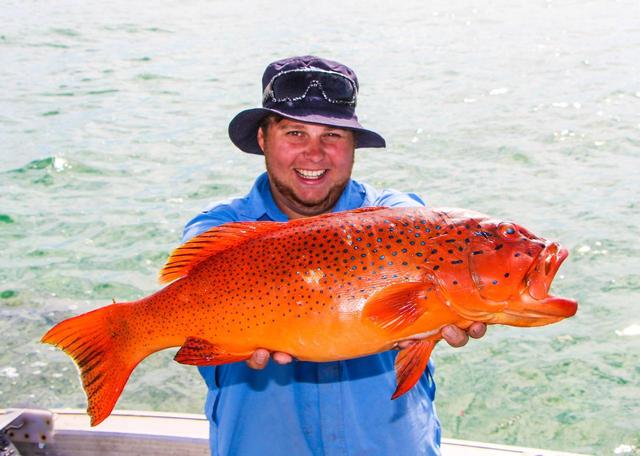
[(296, 279), (324, 288)]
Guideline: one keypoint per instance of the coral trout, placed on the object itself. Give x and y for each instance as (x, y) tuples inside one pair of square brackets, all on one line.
[(325, 288)]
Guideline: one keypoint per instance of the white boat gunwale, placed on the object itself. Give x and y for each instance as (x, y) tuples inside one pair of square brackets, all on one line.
[(128, 432)]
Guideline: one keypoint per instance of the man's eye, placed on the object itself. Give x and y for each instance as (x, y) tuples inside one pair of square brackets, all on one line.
[(294, 133)]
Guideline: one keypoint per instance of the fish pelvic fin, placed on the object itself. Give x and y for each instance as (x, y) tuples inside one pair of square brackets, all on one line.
[(410, 364), (100, 344), (397, 306), (201, 352)]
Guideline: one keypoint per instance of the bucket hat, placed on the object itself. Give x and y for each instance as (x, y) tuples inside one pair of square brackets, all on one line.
[(309, 89)]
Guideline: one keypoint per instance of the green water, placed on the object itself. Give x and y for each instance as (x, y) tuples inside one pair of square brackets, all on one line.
[(113, 134)]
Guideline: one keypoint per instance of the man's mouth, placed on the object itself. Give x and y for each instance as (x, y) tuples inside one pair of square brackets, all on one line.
[(311, 174)]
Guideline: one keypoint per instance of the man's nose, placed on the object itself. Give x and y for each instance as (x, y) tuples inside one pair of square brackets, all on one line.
[(314, 150)]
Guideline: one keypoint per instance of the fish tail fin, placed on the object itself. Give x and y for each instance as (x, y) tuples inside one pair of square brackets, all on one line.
[(105, 352)]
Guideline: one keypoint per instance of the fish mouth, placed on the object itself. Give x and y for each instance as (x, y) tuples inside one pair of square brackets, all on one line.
[(537, 302)]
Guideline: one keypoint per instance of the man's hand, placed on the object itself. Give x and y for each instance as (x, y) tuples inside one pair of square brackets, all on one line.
[(260, 358), (455, 336)]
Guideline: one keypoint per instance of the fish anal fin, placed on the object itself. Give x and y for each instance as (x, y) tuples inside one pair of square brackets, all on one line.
[(398, 306), (201, 352), (410, 364)]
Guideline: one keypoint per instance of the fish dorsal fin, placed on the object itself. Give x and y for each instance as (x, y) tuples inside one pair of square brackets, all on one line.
[(399, 305), (220, 238), (215, 240), (340, 214)]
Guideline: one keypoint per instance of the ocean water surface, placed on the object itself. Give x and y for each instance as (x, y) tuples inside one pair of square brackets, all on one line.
[(113, 122)]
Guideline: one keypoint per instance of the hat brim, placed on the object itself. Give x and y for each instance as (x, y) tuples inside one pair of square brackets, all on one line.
[(243, 128)]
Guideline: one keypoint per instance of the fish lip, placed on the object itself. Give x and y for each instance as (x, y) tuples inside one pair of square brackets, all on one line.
[(559, 307), (538, 281), (552, 307), (545, 312), (543, 270)]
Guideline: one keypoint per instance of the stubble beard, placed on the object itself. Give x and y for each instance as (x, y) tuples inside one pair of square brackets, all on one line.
[(307, 207)]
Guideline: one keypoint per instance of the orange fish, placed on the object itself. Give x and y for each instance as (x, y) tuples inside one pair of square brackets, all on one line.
[(323, 288)]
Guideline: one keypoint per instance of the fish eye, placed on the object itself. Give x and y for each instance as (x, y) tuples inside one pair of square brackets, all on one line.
[(507, 230)]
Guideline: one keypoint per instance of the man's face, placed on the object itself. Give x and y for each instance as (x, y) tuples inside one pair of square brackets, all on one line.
[(308, 165)]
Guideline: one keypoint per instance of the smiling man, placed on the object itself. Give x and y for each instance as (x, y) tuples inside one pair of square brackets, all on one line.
[(307, 130), (308, 165)]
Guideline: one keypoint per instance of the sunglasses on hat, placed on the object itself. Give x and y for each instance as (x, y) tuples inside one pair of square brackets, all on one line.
[(294, 85)]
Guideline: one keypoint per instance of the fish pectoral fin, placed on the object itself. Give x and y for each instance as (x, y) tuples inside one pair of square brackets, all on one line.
[(410, 364), (201, 352), (397, 306)]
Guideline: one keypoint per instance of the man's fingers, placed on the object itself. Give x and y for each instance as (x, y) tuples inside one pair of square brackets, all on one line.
[(282, 358), (405, 343), (477, 330), (259, 359), (455, 336)]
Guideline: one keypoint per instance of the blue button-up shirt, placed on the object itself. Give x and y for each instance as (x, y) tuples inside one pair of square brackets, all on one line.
[(334, 409)]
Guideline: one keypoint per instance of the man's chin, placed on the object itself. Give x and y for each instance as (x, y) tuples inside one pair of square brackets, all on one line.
[(305, 202), (315, 205)]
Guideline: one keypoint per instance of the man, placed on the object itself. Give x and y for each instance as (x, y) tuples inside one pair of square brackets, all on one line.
[(307, 130)]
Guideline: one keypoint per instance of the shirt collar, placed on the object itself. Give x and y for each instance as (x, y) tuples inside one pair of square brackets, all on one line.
[(261, 201)]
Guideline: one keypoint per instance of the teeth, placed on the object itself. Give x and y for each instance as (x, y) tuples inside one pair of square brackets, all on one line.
[(311, 174)]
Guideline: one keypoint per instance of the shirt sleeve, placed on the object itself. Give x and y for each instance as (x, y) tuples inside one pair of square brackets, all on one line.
[(394, 198), (214, 215)]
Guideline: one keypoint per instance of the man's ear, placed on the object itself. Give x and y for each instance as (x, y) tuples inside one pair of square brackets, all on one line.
[(260, 138)]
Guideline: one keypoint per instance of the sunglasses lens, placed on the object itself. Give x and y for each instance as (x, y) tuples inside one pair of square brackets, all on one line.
[(295, 84), (337, 87), (292, 85)]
